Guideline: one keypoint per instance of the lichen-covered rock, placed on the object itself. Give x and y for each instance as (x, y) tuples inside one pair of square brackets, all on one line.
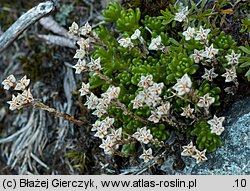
[(233, 156)]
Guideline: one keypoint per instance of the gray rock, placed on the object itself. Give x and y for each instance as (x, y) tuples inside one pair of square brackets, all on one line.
[(167, 167), (233, 157)]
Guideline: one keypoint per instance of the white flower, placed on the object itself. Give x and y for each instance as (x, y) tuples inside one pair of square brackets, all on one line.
[(181, 15), (202, 34), (105, 100), (183, 85), (188, 150), (107, 145), (115, 135), (137, 135), (84, 44), (216, 126), (147, 155), (146, 81), (9, 82), (99, 111), (80, 53), (136, 34), (143, 135), (216, 122), (80, 66), (150, 94), (137, 102), (74, 29), (230, 74), (155, 43), (92, 101), (163, 109), (101, 132), (206, 101), (217, 130), (111, 93), (144, 94), (27, 96), (197, 56), (209, 75), (16, 102), (155, 116), (125, 42), (189, 33), (233, 58), (22, 84), (108, 122), (150, 97), (210, 52), (146, 136), (187, 112), (200, 156), (153, 100), (84, 89), (96, 125), (156, 89), (103, 103), (86, 29), (94, 65)]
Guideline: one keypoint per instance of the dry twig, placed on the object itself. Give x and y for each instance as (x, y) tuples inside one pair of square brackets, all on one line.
[(58, 40), (24, 22)]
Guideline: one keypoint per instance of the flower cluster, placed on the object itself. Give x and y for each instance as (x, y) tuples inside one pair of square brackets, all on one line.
[(155, 44), (209, 53), (82, 66), (106, 131), (100, 105), (144, 135), (127, 42), (190, 150), (83, 43), (200, 34), (150, 95), (22, 98), (84, 47), (160, 112), (230, 74), (177, 74), (84, 30)]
